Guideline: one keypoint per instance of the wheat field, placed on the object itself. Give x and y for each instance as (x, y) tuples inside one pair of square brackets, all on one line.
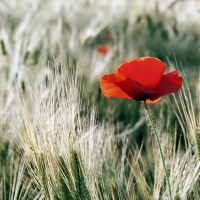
[(60, 137)]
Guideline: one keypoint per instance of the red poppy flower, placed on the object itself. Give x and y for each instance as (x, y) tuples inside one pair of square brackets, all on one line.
[(141, 79), (103, 49)]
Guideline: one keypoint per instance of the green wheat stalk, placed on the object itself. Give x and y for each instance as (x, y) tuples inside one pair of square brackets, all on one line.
[(41, 165), (114, 192), (197, 138), (67, 187), (79, 179)]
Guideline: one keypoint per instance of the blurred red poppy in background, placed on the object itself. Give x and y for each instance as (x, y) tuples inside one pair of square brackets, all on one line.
[(141, 79), (107, 37), (103, 50)]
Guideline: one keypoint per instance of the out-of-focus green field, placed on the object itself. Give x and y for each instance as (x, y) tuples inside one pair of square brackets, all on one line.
[(60, 137)]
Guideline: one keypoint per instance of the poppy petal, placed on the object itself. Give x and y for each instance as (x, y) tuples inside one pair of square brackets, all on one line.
[(169, 83), (119, 86), (153, 101), (147, 71), (110, 88), (173, 73), (144, 89)]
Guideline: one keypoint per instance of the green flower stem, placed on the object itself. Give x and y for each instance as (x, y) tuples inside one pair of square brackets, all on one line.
[(160, 149)]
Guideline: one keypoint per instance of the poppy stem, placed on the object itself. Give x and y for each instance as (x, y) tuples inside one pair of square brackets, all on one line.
[(160, 148)]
